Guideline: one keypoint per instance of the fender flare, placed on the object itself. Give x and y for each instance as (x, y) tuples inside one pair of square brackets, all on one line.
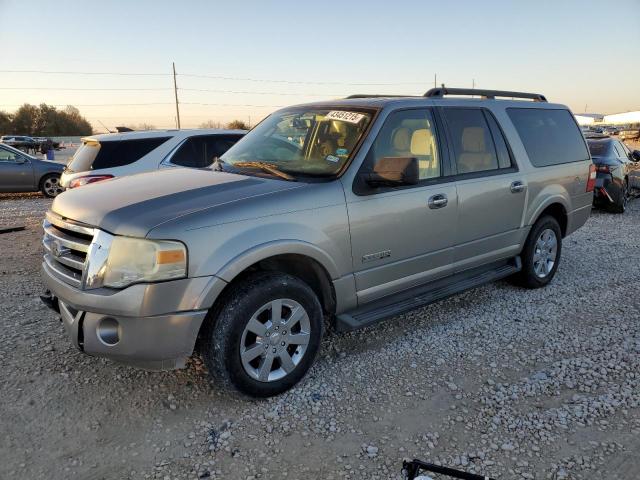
[(239, 263)]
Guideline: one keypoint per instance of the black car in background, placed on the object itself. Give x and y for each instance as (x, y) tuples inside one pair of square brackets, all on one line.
[(617, 172)]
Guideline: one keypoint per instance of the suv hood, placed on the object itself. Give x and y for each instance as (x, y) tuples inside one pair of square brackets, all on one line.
[(136, 204)]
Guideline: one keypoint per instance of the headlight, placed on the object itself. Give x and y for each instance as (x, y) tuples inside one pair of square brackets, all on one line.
[(134, 260)]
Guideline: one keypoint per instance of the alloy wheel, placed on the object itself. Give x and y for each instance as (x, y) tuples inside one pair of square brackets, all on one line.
[(545, 253), (52, 186), (275, 340)]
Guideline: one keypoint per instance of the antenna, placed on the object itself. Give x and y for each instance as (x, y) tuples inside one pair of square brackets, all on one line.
[(175, 91), (103, 126)]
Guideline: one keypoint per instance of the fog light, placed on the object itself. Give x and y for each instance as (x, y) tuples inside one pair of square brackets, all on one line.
[(109, 331)]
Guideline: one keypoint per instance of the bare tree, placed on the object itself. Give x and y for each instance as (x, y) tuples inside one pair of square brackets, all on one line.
[(237, 125), (211, 124)]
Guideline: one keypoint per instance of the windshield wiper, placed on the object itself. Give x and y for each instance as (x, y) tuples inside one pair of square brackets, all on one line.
[(267, 167)]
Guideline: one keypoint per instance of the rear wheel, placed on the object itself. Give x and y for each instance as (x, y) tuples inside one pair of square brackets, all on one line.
[(541, 254), (264, 336), (50, 186), (623, 200)]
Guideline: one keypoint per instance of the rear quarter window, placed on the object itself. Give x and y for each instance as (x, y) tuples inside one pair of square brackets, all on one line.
[(124, 152), (550, 137)]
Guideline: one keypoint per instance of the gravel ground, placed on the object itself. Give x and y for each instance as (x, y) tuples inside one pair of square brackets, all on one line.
[(508, 382)]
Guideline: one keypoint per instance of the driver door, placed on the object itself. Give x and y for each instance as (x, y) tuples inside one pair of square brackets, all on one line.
[(403, 236), (16, 172)]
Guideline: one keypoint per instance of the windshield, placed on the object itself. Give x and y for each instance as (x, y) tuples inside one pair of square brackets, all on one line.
[(307, 142)]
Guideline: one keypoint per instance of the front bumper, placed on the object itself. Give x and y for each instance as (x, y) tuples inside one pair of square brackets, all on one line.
[(152, 326)]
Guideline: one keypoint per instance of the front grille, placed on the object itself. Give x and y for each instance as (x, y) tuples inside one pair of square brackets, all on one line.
[(66, 244)]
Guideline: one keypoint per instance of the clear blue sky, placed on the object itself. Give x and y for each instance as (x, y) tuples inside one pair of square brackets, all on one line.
[(575, 52)]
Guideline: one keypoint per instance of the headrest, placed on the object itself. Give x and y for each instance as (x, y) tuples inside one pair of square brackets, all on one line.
[(401, 139), (473, 139), (421, 142)]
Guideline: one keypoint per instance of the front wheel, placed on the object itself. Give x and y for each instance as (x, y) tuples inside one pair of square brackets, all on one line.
[(541, 254), (264, 336), (50, 186)]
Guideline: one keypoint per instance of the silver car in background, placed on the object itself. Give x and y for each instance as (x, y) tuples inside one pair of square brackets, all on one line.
[(351, 210)]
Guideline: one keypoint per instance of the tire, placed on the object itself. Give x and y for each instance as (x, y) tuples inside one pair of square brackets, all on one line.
[(248, 308), (536, 271), (621, 203), (50, 185)]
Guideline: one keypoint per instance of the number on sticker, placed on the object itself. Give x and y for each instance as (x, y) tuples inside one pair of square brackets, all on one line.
[(351, 117)]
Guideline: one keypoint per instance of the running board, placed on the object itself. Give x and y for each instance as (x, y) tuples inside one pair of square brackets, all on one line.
[(407, 300)]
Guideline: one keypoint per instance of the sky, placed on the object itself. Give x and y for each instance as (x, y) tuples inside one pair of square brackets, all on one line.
[(245, 59)]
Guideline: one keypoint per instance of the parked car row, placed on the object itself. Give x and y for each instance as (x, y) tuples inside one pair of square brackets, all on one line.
[(352, 210), (25, 143)]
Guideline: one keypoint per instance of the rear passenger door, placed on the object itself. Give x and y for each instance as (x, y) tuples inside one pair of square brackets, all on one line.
[(403, 236), (491, 190)]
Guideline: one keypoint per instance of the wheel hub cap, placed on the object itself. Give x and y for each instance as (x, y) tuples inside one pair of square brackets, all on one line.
[(275, 340), (545, 253)]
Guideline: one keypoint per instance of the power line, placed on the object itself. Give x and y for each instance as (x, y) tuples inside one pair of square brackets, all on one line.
[(84, 89), (242, 92), (86, 73), (212, 76)]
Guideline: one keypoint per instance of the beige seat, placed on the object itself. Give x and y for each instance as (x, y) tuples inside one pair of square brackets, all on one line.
[(401, 142), (423, 148), (474, 157)]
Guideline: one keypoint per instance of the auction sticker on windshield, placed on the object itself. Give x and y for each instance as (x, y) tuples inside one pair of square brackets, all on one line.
[(351, 117)]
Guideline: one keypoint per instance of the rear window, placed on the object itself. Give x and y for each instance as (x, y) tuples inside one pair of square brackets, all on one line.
[(112, 153), (599, 148), (550, 137)]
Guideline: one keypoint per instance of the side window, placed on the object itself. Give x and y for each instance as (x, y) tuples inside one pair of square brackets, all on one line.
[(473, 145), (191, 153), (408, 133), (550, 136), (7, 155), (622, 155), (124, 152), (504, 156)]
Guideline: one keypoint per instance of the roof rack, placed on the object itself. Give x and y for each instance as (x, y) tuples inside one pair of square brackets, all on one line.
[(367, 95), (492, 94)]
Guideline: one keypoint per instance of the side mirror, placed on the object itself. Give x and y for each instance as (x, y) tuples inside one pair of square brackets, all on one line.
[(636, 155), (394, 172)]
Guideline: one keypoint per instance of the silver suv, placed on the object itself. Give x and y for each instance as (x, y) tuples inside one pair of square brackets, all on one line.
[(350, 211)]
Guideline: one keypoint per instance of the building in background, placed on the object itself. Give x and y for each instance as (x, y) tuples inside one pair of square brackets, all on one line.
[(588, 118), (622, 118)]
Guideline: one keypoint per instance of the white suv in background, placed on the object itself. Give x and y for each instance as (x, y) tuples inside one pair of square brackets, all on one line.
[(101, 157)]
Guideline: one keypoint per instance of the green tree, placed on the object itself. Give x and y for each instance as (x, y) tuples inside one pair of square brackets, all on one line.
[(47, 121), (237, 125), (24, 120), (5, 122)]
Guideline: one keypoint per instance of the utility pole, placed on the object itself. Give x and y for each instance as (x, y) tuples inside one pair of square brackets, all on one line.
[(435, 80), (175, 90), (473, 83)]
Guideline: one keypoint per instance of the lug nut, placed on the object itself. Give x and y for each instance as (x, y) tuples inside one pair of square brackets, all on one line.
[(277, 327), (268, 333), (284, 332), (282, 344), (275, 350)]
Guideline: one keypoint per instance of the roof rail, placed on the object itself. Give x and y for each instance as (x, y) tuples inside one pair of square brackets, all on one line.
[(367, 95), (492, 94)]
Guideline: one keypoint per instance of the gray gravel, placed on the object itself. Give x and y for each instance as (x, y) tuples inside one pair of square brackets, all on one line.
[(501, 381)]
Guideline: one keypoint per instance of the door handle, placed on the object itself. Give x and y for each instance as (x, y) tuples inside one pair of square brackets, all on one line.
[(438, 201), (517, 187)]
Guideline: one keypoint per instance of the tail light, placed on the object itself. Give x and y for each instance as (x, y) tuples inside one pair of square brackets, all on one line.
[(591, 181), (603, 168), (81, 181)]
